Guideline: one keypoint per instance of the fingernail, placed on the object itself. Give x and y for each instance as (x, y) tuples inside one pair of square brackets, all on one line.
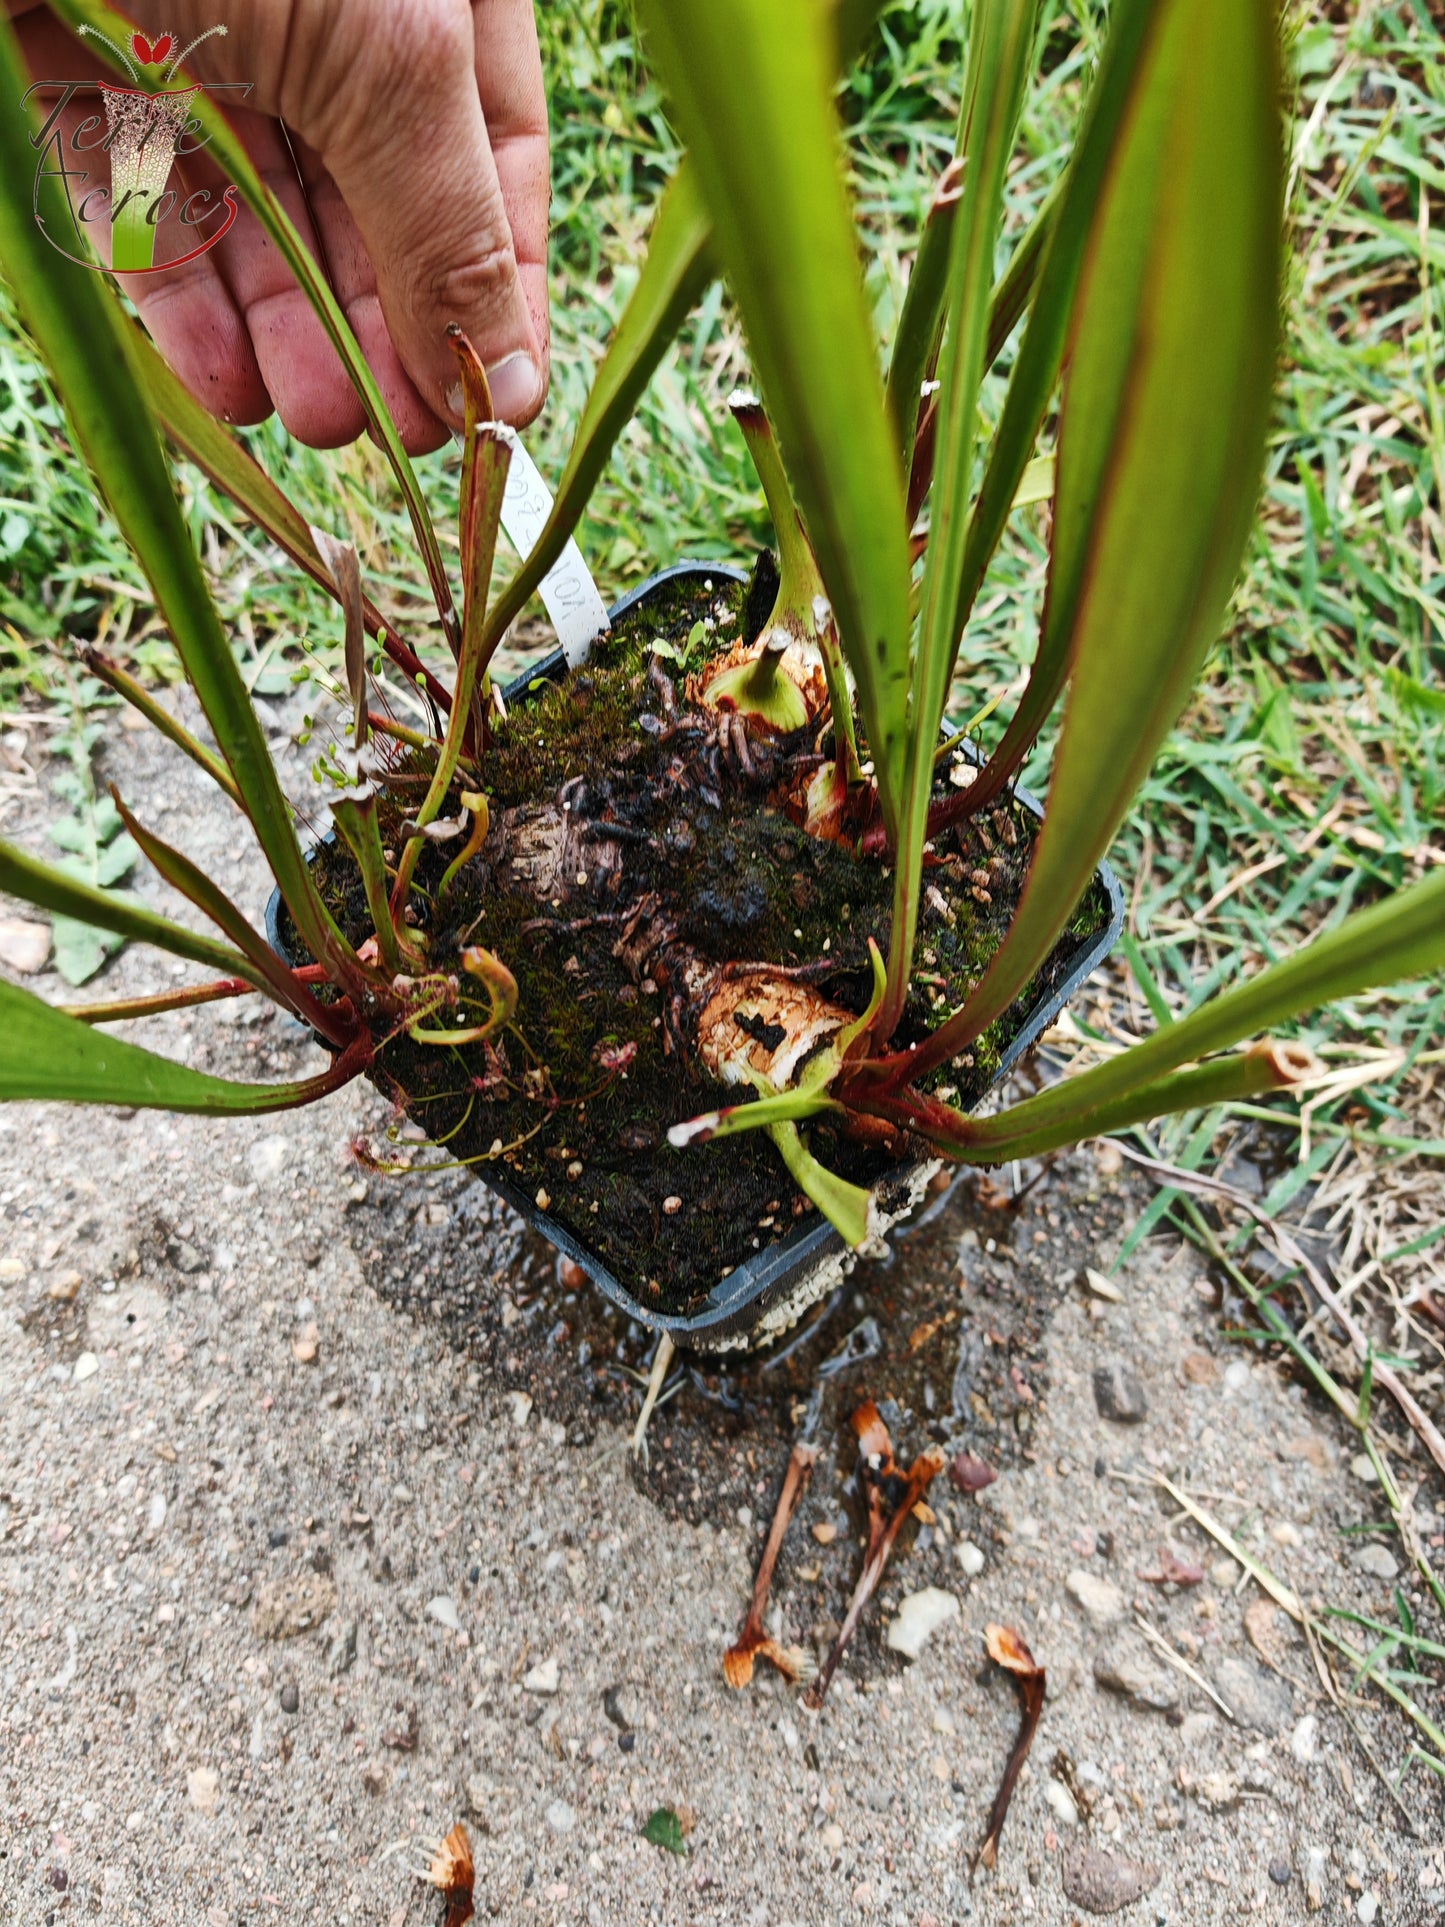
[(516, 387)]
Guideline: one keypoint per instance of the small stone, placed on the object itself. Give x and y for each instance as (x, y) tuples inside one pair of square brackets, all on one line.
[(444, 1612), (918, 1618), (1367, 1906), (1102, 1883), (1062, 1802), (1199, 1368), (1285, 1534), (1102, 1602), (671, 1206), (560, 1817), (1119, 1671), (543, 1678), (970, 1474), (833, 1837), (1363, 1470), (1236, 1376), (267, 1157), (341, 1653), (544, 1203), (24, 945), (156, 1513), (186, 1257), (64, 1288), (203, 1784), (943, 1720), (1225, 1574), (1264, 1629), (1377, 1561), (1257, 1699), (288, 1607), (290, 1697), (825, 1532), (971, 1558), (1302, 1742), (1313, 1450), (1119, 1395), (1218, 1791), (1102, 1286), (306, 1345), (86, 1366), (1315, 1879), (1280, 1871), (521, 1405)]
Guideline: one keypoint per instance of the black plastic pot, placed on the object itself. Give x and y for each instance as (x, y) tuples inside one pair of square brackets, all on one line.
[(769, 1292)]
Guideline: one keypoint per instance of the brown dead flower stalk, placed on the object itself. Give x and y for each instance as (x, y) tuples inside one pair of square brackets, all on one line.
[(1006, 1649), (892, 1495), (753, 1643)]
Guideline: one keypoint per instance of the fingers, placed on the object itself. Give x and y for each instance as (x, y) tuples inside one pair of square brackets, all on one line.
[(514, 106), (409, 151)]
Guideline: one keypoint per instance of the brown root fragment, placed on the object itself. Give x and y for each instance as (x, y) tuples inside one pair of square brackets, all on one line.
[(1006, 1649), (753, 1643), (892, 1495)]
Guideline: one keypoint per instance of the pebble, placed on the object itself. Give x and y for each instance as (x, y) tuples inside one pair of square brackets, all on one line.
[(64, 1288), (543, 1678), (1102, 1883), (560, 1817), (1062, 1802), (203, 1784), (943, 1720), (1236, 1376), (287, 1607), (306, 1345), (918, 1618), (1119, 1395), (1367, 1906), (290, 1697), (156, 1515), (1119, 1671), (1103, 1286), (86, 1366), (267, 1157), (1102, 1602), (1257, 1699), (341, 1653), (521, 1405), (971, 1558), (833, 1837), (1378, 1561), (1280, 1871), (1225, 1573), (1363, 1470), (24, 945), (1302, 1742), (1315, 1879), (444, 1612), (1264, 1628)]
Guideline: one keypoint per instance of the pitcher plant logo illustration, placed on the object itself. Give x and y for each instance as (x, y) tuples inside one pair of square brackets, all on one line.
[(146, 129)]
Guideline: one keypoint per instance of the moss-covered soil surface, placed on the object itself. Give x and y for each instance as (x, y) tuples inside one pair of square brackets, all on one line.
[(631, 851)]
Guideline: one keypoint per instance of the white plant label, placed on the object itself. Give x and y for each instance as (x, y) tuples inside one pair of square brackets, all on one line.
[(569, 595)]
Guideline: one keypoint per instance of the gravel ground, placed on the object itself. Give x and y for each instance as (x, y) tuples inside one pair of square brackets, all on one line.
[(318, 1534)]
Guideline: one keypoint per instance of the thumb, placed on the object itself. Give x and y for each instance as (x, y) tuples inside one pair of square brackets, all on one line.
[(409, 152)]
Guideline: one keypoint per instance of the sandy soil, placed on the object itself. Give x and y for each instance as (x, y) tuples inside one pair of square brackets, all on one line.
[(318, 1534)]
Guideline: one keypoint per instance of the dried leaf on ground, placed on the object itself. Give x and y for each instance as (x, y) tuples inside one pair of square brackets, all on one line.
[(753, 1642), (452, 1873), (1007, 1649), (892, 1495)]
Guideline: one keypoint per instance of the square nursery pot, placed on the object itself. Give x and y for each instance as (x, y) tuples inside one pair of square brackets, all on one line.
[(768, 1292)]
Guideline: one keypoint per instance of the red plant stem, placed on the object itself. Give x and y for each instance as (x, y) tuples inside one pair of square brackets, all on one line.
[(738, 1658), (126, 1007)]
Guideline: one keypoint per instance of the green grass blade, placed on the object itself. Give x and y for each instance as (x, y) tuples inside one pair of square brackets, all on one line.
[(232, 160), (77, 324), (915, 344), (750, 83), (674, 274), (1161, 441), (49, 889), (999, 47), (47, 1056)]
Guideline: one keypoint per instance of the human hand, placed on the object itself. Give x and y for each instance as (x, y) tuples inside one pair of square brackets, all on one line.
[(419, 128)]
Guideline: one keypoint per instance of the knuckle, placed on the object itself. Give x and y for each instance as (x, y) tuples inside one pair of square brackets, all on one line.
[(484, 283)]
